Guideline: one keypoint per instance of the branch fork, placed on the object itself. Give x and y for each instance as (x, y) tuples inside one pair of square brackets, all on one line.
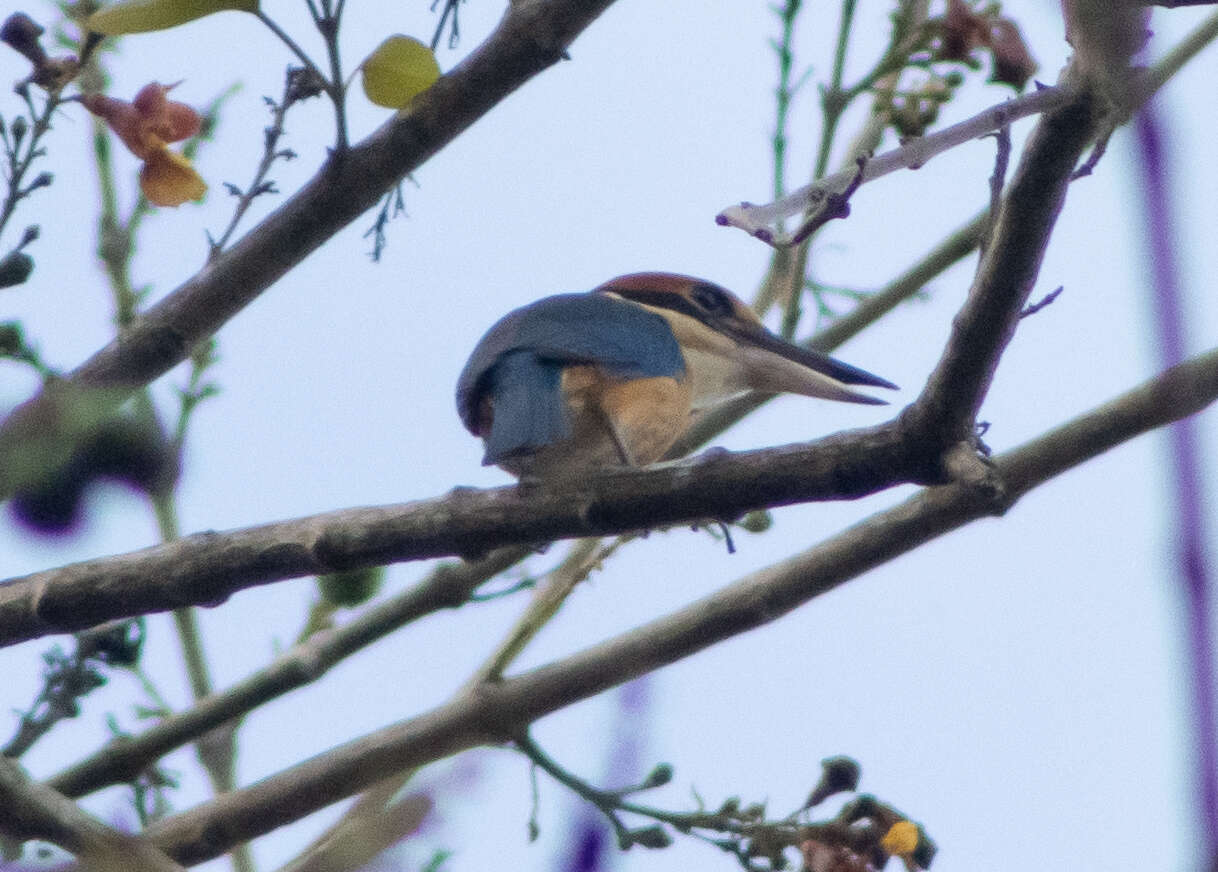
[(762, 221)]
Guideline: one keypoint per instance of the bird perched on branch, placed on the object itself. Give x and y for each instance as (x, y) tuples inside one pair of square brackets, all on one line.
[(614, 376)]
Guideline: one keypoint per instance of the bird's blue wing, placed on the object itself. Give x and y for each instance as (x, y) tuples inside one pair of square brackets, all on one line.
[(623, 338), (519, 364)]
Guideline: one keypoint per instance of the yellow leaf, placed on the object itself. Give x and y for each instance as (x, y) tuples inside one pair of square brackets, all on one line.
[(901, 838), (141, 16), (399, 70), (168, 179)]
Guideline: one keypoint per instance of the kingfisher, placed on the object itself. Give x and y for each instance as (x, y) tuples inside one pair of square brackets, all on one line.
[(615, 375)]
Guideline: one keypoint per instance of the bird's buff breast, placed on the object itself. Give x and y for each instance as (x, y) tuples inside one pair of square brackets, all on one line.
[(648, 414)]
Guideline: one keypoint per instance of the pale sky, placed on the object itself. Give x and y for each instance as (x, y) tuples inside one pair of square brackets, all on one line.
[(1016, 686)]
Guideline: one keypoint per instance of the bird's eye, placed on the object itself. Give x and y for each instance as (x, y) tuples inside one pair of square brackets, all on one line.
[(712, 300)]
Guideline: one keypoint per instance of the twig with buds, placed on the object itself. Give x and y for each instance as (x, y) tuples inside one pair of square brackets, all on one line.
[(761, 221)]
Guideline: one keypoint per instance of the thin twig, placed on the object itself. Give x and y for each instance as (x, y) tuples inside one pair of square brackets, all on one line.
[(1005, 277), (450, 8), (756, 220), (298, 84), (834, 102), (750, 835), (585, 556), (287, 40), (789, 268), (785, 90), (1033, 308), (22, 155), (328, 27), (1002, 157)]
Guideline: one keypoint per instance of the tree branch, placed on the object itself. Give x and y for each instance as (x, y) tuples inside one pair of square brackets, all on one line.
[(758, 220), (35, 811), (533, 35), (207, 568), (947, 409), (447, 586), (497, 712)]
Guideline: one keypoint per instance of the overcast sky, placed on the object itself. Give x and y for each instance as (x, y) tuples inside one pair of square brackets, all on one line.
[(1017, 686)]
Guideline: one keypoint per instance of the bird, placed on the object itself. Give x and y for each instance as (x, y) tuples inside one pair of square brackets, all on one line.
[(612, 377)]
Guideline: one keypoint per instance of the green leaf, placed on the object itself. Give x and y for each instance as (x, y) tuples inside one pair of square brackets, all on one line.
[(142, 16), (351, 587), (400, 69)]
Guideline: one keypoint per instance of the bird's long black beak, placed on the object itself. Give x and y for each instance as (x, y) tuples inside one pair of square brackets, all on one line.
[(817, 361)]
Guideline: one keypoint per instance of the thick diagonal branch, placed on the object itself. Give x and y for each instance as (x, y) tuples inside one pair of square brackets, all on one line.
[(947, 408)]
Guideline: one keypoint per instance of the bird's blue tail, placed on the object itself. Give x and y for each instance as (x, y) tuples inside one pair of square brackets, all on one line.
[(529, 410)]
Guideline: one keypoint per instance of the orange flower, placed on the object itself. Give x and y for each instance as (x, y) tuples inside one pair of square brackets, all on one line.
[(168, 179), (146, 126)]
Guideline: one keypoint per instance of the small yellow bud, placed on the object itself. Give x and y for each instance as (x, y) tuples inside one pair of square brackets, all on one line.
[(901, 838), (400, 69)]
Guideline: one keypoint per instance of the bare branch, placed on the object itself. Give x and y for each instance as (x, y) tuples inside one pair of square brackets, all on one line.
[(1046, 300), (1006, 275), (1002, 159), (498, 712), (35, 811), (758, 220), (207, 568)]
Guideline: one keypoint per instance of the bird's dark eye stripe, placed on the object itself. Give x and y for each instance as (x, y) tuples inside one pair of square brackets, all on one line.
[(714, 300), (661, 300)]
